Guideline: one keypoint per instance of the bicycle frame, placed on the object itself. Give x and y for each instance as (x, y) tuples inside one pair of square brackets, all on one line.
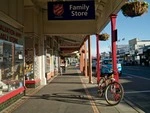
[(108, 82)]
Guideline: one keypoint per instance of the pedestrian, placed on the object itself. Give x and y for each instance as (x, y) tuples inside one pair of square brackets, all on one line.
[(62, 65), (60, 70)]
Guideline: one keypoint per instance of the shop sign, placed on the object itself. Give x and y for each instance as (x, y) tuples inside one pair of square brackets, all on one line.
[(9, 33), (132, 52), (127, 52), (71, 10), (140, 51)]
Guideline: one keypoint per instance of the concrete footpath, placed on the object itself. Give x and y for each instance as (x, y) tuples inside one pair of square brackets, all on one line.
[(68, 93)]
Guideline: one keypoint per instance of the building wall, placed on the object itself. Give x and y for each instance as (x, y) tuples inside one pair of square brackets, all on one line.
[(136, 48), (143, 43), (136, 43), (121, 49), (12, 49)]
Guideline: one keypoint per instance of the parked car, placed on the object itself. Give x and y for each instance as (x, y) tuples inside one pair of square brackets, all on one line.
[(127, 63), (106, 67), (94, 63), (73, 63)]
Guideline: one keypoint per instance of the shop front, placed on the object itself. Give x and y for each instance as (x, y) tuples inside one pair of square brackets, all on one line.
[(52, 57), (11, 62), (31, 71), (145, 56)]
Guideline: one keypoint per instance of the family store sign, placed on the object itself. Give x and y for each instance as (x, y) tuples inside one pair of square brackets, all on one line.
[(71, 10)]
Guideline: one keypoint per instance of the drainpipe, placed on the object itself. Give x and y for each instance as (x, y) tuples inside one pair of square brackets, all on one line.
[(114, 39)]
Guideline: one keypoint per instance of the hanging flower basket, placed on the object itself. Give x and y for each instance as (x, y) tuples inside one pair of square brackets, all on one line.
[(104, 37), (134, 8)]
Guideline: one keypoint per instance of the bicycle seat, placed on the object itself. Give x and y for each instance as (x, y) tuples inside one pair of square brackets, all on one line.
[(110, 75)]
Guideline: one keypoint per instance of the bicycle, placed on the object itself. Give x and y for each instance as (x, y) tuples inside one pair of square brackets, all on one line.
[(111, 89)]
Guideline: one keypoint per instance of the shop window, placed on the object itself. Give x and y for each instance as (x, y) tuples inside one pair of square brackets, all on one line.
[(11, 66), (29, 59)]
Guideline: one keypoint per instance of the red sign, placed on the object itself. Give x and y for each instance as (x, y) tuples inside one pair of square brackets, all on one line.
[(58, 9)]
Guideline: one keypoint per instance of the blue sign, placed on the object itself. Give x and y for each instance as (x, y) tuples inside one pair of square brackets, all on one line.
[(71, 10)]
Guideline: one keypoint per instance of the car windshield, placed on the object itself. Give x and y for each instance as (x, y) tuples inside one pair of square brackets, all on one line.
[(93, 61), (108, 61)]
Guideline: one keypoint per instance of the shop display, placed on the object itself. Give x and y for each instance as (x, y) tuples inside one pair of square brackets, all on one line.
[(29, 75), (1, 89), (11, 66)]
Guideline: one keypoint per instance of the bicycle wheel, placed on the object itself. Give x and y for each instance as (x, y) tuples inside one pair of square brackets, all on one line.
[(114, 93), (101, 87)]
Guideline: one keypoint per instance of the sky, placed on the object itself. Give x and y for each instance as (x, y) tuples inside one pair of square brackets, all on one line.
[(128, 28)]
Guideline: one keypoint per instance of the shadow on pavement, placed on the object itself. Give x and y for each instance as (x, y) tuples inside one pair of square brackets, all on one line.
[(70, 74), (65, 82), (67, 98)]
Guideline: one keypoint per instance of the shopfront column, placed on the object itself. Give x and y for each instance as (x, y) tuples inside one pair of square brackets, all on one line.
[(42, 61), (81, 59)]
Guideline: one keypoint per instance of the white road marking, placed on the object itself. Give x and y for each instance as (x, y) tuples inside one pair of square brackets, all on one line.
[(130, 92), (136, 76), (133, 68), (127, 77)]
